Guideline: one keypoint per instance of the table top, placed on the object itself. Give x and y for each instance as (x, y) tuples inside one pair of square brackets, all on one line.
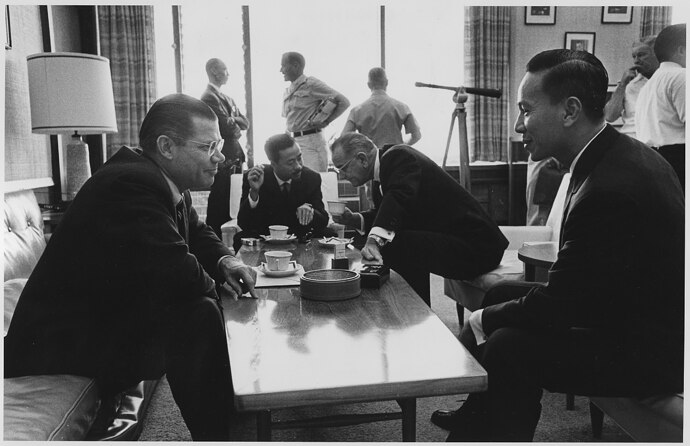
[(286, 351), (541, 254)]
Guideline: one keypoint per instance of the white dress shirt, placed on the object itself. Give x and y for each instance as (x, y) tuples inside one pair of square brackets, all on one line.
[(660, 109)]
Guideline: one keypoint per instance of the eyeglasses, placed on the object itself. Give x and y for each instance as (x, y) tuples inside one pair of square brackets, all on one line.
[(344, 166), (212, 146)]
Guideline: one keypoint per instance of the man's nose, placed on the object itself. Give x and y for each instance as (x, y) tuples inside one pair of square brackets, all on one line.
[(519, 125), (218, 155)]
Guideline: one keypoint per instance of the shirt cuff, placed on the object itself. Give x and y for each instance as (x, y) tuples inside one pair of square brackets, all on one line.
[(383, 233), (253, 203), (475, 322)]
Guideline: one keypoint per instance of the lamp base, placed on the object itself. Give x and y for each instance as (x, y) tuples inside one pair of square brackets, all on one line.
[(77, 167)]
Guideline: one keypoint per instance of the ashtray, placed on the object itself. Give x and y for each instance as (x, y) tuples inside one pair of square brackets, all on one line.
[(330, 284)]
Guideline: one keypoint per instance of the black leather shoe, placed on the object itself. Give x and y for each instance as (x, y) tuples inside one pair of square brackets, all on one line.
[(445, 419)]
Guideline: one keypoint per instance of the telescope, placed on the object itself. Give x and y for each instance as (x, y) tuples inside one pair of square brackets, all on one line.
[(489, 92)]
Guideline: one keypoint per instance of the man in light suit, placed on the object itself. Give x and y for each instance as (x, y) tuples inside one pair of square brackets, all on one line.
[(282, 193), (231, 123), (424, 221), (126, 288), (609, 322)]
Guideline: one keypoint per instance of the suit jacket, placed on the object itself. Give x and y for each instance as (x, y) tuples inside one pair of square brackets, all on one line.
[(96, 301), (224, 107), (418, 195), (620, 267), (274, 210)]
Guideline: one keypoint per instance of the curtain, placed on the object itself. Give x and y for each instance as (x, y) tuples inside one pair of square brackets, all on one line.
[(654, 19), (487, 65), (127, 40)]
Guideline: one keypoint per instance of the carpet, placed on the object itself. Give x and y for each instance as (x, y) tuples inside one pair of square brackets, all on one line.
[(163, 421)]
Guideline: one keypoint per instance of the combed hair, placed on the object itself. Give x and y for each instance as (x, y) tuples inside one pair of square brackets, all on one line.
[(353, 142), (276, 143), (668, 41), (172, 116), (211, 64), (573, 73), (294, 57)]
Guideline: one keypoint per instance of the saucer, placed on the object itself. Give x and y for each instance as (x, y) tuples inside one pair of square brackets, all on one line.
[(293, 267), (275, 241)]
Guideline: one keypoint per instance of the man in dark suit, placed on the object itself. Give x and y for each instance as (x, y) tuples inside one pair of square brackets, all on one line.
[(609, 322), (423, 222), (231, 123), (283, 193), (126, 288)]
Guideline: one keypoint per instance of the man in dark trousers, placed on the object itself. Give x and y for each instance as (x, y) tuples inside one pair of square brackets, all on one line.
[(282, 193), (609, 322), (423, 222), (231, 123), (126, 288)]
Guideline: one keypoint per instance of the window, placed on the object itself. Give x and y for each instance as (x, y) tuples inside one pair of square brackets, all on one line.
[(340, 42)]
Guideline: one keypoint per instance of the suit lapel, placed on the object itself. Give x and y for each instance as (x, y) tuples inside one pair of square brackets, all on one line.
[(585, 165)]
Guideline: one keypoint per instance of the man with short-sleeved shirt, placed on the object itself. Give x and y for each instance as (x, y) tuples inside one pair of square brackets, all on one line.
[(300, 101), (382, 117), (660, 106)]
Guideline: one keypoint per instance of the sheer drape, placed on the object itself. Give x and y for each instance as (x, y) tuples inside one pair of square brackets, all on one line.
[(127, 39), (654, 19), (487, 65)]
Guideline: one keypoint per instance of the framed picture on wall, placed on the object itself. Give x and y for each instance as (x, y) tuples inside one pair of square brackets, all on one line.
[(580, 41), (616, 14), (540, 15)]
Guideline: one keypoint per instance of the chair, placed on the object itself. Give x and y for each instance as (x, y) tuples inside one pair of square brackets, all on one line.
[(470, 293), (329, 191)]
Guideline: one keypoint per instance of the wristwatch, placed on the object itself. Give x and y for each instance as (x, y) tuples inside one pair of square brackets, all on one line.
[(380, 241)]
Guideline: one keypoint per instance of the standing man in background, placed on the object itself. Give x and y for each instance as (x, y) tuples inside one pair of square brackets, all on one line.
[(231, 123), (309, 105), (622, 102), (381, 117), (660, 107)]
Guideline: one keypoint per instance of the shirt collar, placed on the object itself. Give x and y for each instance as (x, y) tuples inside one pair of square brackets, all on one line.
[(577, 157), (378, 92), (377, 166), (280, 182), (174, 190), (299, 80), (213, 87)]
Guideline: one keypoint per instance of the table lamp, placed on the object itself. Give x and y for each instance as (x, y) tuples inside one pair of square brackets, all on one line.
[(71, 93)]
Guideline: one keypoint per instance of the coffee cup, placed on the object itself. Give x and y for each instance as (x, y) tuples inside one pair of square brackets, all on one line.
[(340, 229), (336, 207), (277, 260), (278, 231)]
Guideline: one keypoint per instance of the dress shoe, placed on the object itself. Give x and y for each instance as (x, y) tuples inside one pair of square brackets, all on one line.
[(445, 419)]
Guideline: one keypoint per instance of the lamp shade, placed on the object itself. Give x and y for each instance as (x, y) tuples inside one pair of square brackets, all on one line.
[(71, 92)]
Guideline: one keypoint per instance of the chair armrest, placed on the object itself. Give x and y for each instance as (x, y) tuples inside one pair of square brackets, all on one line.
[(517, 235)]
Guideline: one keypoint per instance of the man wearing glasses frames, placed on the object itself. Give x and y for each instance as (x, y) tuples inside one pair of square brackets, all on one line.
[(127, 288), (423, 222)]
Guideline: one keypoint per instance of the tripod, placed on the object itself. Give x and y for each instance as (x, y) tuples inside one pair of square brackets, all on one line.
[(459, 114)]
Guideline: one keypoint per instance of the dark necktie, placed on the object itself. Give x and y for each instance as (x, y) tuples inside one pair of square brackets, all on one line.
[(286, 190), (181, 216), (376, 194), (566, 208)]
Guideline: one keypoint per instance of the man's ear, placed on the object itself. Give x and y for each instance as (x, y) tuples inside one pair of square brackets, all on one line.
[(165, 145), (572, 108)]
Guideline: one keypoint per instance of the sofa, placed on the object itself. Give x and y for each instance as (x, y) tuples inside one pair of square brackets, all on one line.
[(55, 407)]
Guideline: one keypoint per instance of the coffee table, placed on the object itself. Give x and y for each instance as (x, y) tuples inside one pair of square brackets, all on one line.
[(387, 344), (537, 256)]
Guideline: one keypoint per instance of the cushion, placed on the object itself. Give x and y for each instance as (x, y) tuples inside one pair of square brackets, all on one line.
[(13, 289), (49, 407)]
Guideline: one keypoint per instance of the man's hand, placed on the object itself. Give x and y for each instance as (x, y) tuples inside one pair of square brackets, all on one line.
[(629, 75), (349, 218), (370, 251), (239, 276), (255, 177), (305, 214)]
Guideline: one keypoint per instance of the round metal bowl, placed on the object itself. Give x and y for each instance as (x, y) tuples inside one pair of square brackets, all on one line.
[(330, 284)]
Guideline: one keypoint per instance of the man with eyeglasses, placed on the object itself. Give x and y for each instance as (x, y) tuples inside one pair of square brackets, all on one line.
[(127, 287), (283, 193), (423, 222)]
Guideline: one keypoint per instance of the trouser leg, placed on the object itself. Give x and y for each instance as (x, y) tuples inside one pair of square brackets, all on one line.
[(198, 369)]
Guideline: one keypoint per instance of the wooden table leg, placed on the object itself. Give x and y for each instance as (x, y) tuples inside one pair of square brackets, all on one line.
[(263, 425), (409, 418)]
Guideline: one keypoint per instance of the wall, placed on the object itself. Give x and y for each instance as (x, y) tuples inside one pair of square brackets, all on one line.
[(27, 155), (612, 45)]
